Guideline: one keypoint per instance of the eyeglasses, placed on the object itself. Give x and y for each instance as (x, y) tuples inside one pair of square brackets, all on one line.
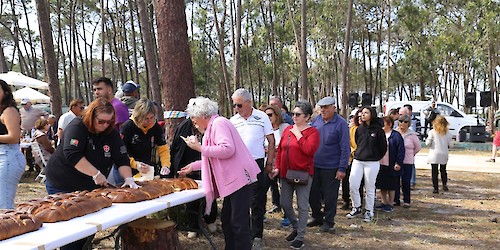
[(270, 114), (404, 121), (104, 121), (297, 114), (239, 105)]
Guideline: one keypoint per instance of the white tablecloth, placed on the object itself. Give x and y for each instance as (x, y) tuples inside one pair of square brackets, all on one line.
[(54, 235)]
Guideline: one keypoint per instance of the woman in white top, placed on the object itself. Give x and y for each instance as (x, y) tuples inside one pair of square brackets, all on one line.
[(279, 126), (439, 141)]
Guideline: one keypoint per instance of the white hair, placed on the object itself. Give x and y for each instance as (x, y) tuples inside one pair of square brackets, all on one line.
[(243, 93), (202, 107)]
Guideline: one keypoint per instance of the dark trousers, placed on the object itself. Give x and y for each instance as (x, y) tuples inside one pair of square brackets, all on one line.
[(345, 186), (444, 175), (406, 172), (324, 185), (259, 199), (193, 210), (275, 192), (235, 219)]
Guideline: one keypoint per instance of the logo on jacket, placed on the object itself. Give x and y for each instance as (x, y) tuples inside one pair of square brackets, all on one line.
[(73, 142), (135, 139), (373, 135), (106, 149)]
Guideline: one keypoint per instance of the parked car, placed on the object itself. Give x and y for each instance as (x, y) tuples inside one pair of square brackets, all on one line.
[(457, 119)]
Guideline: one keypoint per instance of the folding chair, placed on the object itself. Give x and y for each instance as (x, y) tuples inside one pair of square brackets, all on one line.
[(35, 148)]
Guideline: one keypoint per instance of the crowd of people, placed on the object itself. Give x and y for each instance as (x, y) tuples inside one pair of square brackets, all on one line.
[(309, 152)]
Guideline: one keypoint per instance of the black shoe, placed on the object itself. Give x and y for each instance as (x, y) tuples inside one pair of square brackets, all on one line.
[(291, 236), (314, 223), (327, 228), (297, 244), (345, 206), (397, 204), (445, 188), (435, 191)]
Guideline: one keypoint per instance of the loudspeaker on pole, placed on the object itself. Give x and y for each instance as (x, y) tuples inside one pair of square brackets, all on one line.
[(485, 98), (470, 99)]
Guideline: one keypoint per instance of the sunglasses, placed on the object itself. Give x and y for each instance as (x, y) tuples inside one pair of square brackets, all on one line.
[(104, 121), (404, 121), (297, 114), (239, 105), (270, 114)]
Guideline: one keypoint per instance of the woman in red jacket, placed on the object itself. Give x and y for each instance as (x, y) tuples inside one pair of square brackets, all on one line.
[(296, 152)]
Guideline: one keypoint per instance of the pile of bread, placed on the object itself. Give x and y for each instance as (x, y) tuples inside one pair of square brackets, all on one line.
[(60, 207), (13, 223)]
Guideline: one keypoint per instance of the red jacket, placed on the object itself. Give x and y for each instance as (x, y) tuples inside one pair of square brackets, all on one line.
[(300, 153)]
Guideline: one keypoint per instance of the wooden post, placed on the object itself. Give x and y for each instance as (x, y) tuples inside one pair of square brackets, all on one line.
[(146, 234)]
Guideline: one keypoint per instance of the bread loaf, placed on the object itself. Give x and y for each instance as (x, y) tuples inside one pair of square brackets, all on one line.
[(61, 207), (13, 223)]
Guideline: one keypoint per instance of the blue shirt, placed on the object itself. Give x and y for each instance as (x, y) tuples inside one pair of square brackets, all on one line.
[(334, 149)]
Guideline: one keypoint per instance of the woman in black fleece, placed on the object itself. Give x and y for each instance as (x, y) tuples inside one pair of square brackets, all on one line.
[(372, 145)]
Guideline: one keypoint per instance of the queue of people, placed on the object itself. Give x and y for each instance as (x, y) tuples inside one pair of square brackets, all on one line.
[(236, 159)]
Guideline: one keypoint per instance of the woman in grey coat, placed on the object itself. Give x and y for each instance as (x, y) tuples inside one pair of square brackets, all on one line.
[(439, 141)]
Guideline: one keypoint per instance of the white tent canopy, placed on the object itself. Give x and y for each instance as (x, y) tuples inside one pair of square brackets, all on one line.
[(32, 94), (18, 79)]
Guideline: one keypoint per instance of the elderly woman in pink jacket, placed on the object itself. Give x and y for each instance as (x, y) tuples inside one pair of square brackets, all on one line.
[(227, 170)]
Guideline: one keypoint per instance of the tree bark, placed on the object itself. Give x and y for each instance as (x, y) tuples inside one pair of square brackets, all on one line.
[(237, 48), (345, 65), (49, 55), (303, 50), (176, 70), (150, 55)]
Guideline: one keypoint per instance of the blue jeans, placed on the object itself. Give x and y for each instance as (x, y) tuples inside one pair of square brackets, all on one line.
[(12, 166)]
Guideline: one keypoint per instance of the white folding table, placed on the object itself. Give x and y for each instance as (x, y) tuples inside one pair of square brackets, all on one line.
[(54, 235)]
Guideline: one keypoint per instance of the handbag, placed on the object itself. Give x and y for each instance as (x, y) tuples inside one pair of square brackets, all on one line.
[(295, 177)]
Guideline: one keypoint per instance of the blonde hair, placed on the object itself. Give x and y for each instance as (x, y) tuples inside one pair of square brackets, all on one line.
[(143, 108), (440, 125)]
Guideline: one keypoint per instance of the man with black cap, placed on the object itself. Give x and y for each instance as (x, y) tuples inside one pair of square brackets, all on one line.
[(131, 94), (330, 164)]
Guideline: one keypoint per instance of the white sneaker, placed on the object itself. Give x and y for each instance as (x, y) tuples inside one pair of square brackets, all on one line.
[(368, 216), (355, 212), (212, 227), (192, 235), (258, 244)]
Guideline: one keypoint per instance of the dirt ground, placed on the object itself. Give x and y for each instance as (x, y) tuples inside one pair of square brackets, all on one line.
[(466, 217)]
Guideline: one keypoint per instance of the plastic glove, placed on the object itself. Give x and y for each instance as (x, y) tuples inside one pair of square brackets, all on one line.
[(100, 179), (131, 183), (165, 170), (142, 167)]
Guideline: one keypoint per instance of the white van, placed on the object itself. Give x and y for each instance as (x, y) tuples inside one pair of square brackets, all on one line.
[(457, 118)]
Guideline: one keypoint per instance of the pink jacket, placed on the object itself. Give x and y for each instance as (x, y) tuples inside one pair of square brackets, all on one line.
[(412, 146), (226, 164)]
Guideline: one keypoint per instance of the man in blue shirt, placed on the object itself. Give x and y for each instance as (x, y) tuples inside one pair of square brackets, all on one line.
[(330, 164), (276, 101)]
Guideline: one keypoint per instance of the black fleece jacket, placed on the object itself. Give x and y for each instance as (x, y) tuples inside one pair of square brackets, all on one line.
[(371, 142)]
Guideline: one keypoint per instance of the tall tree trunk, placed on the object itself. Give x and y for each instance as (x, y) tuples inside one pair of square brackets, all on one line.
[(150, 55), (222, 57), (132, 7), (3, 61), (176, 68), (49, 55), (30, 41), (237, 48), (388, 51), (345, 65), (103, 39), (303, 49)]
